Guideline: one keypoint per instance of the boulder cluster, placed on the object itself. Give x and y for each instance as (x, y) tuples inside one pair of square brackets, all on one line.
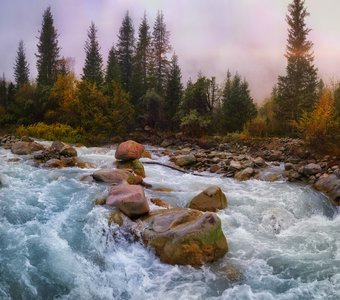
[(186, 236)]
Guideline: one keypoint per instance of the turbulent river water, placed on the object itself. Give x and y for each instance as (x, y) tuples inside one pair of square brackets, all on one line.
[(284, 239)]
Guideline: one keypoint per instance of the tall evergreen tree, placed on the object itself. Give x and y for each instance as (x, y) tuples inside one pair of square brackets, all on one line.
[(48, 51), (161, 47), (92, 71), (139, 84), (112, 69), (21, 68), (126, 50), (298, 89), (237, 106), (173, 95)]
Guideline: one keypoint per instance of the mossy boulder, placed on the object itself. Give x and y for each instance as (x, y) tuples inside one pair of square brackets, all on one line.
[(184, 236), (211, 199), (135, 165)]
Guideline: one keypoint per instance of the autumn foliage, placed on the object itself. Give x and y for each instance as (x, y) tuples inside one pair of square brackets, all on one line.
[(320, 128)]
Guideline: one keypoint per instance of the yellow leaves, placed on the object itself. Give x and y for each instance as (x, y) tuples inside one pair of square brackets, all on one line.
[(320, 128)]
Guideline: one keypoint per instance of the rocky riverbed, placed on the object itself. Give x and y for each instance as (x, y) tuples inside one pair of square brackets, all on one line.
[(56, 242)]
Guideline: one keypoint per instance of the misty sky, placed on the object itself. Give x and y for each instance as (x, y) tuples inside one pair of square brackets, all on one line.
[(211, 36)]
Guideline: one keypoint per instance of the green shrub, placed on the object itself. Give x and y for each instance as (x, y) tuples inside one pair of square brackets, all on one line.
[(52, 132)]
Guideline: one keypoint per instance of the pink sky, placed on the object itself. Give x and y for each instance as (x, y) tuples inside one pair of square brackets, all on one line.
[(211, 36)]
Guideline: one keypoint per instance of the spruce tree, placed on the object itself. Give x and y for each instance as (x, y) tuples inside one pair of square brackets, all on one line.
[(139, 84), (173, 95), (125, 51), (48, 51), (297, 91), (21, 68), (92, 71), (161, 47), (112, 69), (238, 107)]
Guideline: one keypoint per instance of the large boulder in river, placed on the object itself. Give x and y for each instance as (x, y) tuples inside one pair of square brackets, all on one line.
[(129, 150), (23, 148), (185, 160), (114, 176), (184, 236), (211, 199), (129, 199), (331, 186), (63, 149)]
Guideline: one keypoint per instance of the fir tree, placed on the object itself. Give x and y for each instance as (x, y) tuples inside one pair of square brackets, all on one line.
[(139, 84), (92, 71), (125, 51), (112, 69), (237, 106), (21, 69), (173, 95), (161, 47), (48, 51), (298, 90)]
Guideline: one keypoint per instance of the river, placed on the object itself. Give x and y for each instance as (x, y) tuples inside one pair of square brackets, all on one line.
[(284, 239)]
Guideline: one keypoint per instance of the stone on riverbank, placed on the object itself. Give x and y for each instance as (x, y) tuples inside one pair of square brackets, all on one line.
[(184, 236), (211, 199), (245, 174), (331, 186), (185, 160)]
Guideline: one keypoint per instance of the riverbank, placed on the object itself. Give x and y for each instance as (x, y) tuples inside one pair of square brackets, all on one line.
[(269, 159)]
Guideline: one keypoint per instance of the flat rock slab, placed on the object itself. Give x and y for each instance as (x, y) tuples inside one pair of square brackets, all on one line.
[(112, 175)]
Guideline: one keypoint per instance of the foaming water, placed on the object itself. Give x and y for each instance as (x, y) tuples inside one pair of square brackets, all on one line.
[(55, 244)]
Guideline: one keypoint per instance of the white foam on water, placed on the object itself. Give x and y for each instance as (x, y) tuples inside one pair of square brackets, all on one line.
[(56, 244)]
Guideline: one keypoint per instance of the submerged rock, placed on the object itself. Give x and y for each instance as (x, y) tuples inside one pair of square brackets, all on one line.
[(331, 186), (129, 150), (54, 163), (184, 236), (129, 199), (211, 199)]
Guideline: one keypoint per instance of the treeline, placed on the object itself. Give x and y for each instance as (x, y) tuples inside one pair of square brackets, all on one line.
[(141, 85)]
